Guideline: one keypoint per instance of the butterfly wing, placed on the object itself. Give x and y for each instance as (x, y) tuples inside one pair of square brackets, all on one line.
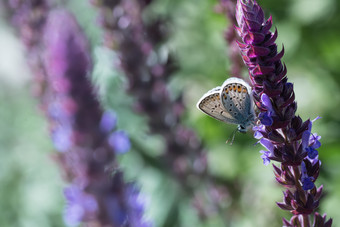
[(236, 98), (210, 104)]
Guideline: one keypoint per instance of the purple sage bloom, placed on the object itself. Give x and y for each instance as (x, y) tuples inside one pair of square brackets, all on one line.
[(287, 138), (59, 56)]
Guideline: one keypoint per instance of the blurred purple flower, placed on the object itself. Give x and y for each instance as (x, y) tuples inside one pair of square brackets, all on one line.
[(136, 203), (59, 56), (120, 142), (108, 121), (80, 206), (62, 138), (147, 67), (78, 126)]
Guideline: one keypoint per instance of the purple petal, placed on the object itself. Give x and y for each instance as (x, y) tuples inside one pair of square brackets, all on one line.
[(316, 136), (316, 144), (266, 119), (61, 138), (310, 124), (265, 157), (305, 139), (314, 141), (79, 205), (120, 142), (73, 215), (258, 131), (312, 153), (317, 118), (136, 202), (267, 144), (267, 102), (258, 135), (314, 161), (71, 194), (259, 128), (303, 171), (108, 121), (307, 184)]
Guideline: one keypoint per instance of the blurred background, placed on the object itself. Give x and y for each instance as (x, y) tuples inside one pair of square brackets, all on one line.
[(30, 182)]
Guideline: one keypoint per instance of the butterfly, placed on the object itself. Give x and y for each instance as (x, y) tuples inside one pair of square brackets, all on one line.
[(231, 103)]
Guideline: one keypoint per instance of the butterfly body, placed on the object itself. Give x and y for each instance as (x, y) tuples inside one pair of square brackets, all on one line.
[(231, 103)]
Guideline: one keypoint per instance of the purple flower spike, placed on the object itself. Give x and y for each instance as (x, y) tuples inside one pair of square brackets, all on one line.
[(147, 68), (89, 155), (287, 138), (59, 56)]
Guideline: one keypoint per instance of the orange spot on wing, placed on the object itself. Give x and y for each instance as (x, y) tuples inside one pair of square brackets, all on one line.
[(239, 89)]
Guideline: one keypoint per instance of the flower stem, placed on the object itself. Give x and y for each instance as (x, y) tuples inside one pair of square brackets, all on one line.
[(306, 222)]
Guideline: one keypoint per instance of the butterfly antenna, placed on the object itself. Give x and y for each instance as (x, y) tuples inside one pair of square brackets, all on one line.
[(231, 138)]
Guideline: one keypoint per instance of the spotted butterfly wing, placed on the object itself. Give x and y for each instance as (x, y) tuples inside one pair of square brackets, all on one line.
[(237, 100), (211, 104)]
